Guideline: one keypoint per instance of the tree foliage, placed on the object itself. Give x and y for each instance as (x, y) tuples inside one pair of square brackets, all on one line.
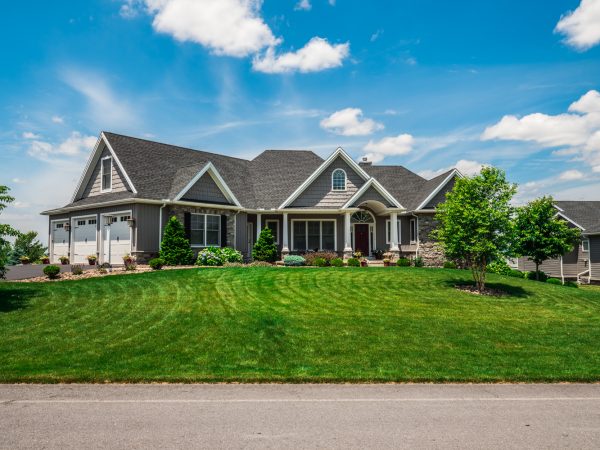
[(540, 234), (27, 244), (265, 248), (175, 248), (476, 221), (5, 231)]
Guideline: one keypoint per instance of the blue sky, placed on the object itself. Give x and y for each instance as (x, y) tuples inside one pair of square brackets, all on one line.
[(423, 84)]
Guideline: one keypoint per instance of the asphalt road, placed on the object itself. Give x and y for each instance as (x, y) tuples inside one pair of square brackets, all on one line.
[(299, 416)]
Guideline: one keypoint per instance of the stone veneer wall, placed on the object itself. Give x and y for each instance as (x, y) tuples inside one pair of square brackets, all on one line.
[(429, 250), (179, 212)]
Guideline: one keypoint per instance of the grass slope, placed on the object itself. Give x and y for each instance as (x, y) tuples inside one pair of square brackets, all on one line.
[(273, 324)]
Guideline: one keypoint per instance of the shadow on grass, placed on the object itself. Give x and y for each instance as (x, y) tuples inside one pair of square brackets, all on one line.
[(513, 291), (13, 297)]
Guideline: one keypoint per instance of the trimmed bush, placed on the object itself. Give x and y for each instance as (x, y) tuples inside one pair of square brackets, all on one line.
[(210, 256), (532, 276), (311, 256), (515, 273), (449, 265), (418, 262), (353, 262), (156, 263), (294, 260), (51, 271), (499, 266), (320, 262), (175, 248), (231, 255), (403, 262), (554, 281), (337, 262), (77, 269), (265, 248), (571, 284)]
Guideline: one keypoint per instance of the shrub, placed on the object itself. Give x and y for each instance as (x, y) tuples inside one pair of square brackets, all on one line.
[(77, 269), (320, 262), (403, 262), (554, 281), (418, 261), (515, 273), (294, 260), (210, 256), (499, 266), (311, 256), (571, 284), (51, 271), (532, 276), (337, 262), (231, 255), (156, 263), (353, 262), (175, 247), (265, 248), (260, 264), (449, 265)]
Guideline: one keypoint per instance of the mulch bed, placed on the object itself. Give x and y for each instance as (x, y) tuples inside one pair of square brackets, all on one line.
[(487, 291)]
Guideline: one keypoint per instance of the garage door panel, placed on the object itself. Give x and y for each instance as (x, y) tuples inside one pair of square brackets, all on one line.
[(84, 239), (60, 241), (117, 239)]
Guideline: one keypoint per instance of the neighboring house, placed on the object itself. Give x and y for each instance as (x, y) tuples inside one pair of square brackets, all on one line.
[(130, 187), (583, 262)]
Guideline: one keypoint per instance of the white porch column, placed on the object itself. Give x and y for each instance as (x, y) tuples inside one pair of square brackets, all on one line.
[(258, 225), (285, 248), (347, 239), (394, 232)]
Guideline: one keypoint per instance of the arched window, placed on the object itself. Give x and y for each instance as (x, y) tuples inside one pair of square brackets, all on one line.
[(338, 180)]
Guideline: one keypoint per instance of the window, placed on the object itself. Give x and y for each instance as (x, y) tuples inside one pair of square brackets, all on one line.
[(585, 245), (273, 225), (124, 218), (313, 235), (91, 221), (80, 223), (413, 231), (205, 230), (106, 175), (388, 229), (338, 180), (59, 225)]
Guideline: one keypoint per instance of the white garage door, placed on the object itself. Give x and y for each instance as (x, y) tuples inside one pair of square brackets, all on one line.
[(117, 239), (84, 239), (60, 241)]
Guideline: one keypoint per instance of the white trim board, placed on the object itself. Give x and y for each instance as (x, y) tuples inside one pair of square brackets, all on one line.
[(570, 220), (216, 177), (379, 188), (454, 172), (338, 152)]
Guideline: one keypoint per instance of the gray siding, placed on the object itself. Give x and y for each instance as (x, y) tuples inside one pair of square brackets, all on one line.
[(319, 193), (371, 194), (550, 267), (595, 257), (205, 190), (240, 231), (146, 229), (440, 197), (94, 184)]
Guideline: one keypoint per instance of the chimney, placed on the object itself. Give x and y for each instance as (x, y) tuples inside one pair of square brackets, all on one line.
[(365, 161)]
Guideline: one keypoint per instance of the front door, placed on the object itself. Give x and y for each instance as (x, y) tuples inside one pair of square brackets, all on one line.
[(361, 238)]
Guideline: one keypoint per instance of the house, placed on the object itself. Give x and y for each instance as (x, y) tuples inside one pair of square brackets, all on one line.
[(583, 262), (130, 187)]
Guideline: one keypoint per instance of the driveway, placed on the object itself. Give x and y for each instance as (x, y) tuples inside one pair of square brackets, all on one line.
[(22, 272), (299, 416)]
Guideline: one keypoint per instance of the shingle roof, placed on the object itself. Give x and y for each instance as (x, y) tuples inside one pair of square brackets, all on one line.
[(584, 213), (159, 171)]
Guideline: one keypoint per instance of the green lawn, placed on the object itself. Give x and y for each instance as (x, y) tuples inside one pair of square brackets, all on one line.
[(300, 325)]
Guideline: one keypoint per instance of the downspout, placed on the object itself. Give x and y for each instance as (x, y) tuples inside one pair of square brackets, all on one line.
[(160, 211), (562, 275)]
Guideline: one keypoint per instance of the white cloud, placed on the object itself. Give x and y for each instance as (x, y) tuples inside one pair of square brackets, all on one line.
[(303, 5), (570, 175), (74, 145), (388, 146), (17, 180), (318, 54), (578, 131), (30, 135), (130, 9), (582, 26), (376, 35), (57, 119), (349, 122), (464, 166)]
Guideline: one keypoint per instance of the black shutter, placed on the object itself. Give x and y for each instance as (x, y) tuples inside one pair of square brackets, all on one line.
[(187, 225), (223, 230)]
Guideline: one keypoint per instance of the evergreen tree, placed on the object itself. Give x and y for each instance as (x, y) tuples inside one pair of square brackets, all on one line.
[(541, 235), (265, 248), (175, 248), (5, 230), (27, 244)]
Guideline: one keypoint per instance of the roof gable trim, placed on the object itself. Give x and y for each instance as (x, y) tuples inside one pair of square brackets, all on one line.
[(570, 220), (338, 152), (216, 177), (430, 197), (379, 188)]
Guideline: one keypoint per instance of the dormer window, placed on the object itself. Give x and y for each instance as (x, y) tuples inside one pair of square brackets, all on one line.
[(338, 180), (106, 174)]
